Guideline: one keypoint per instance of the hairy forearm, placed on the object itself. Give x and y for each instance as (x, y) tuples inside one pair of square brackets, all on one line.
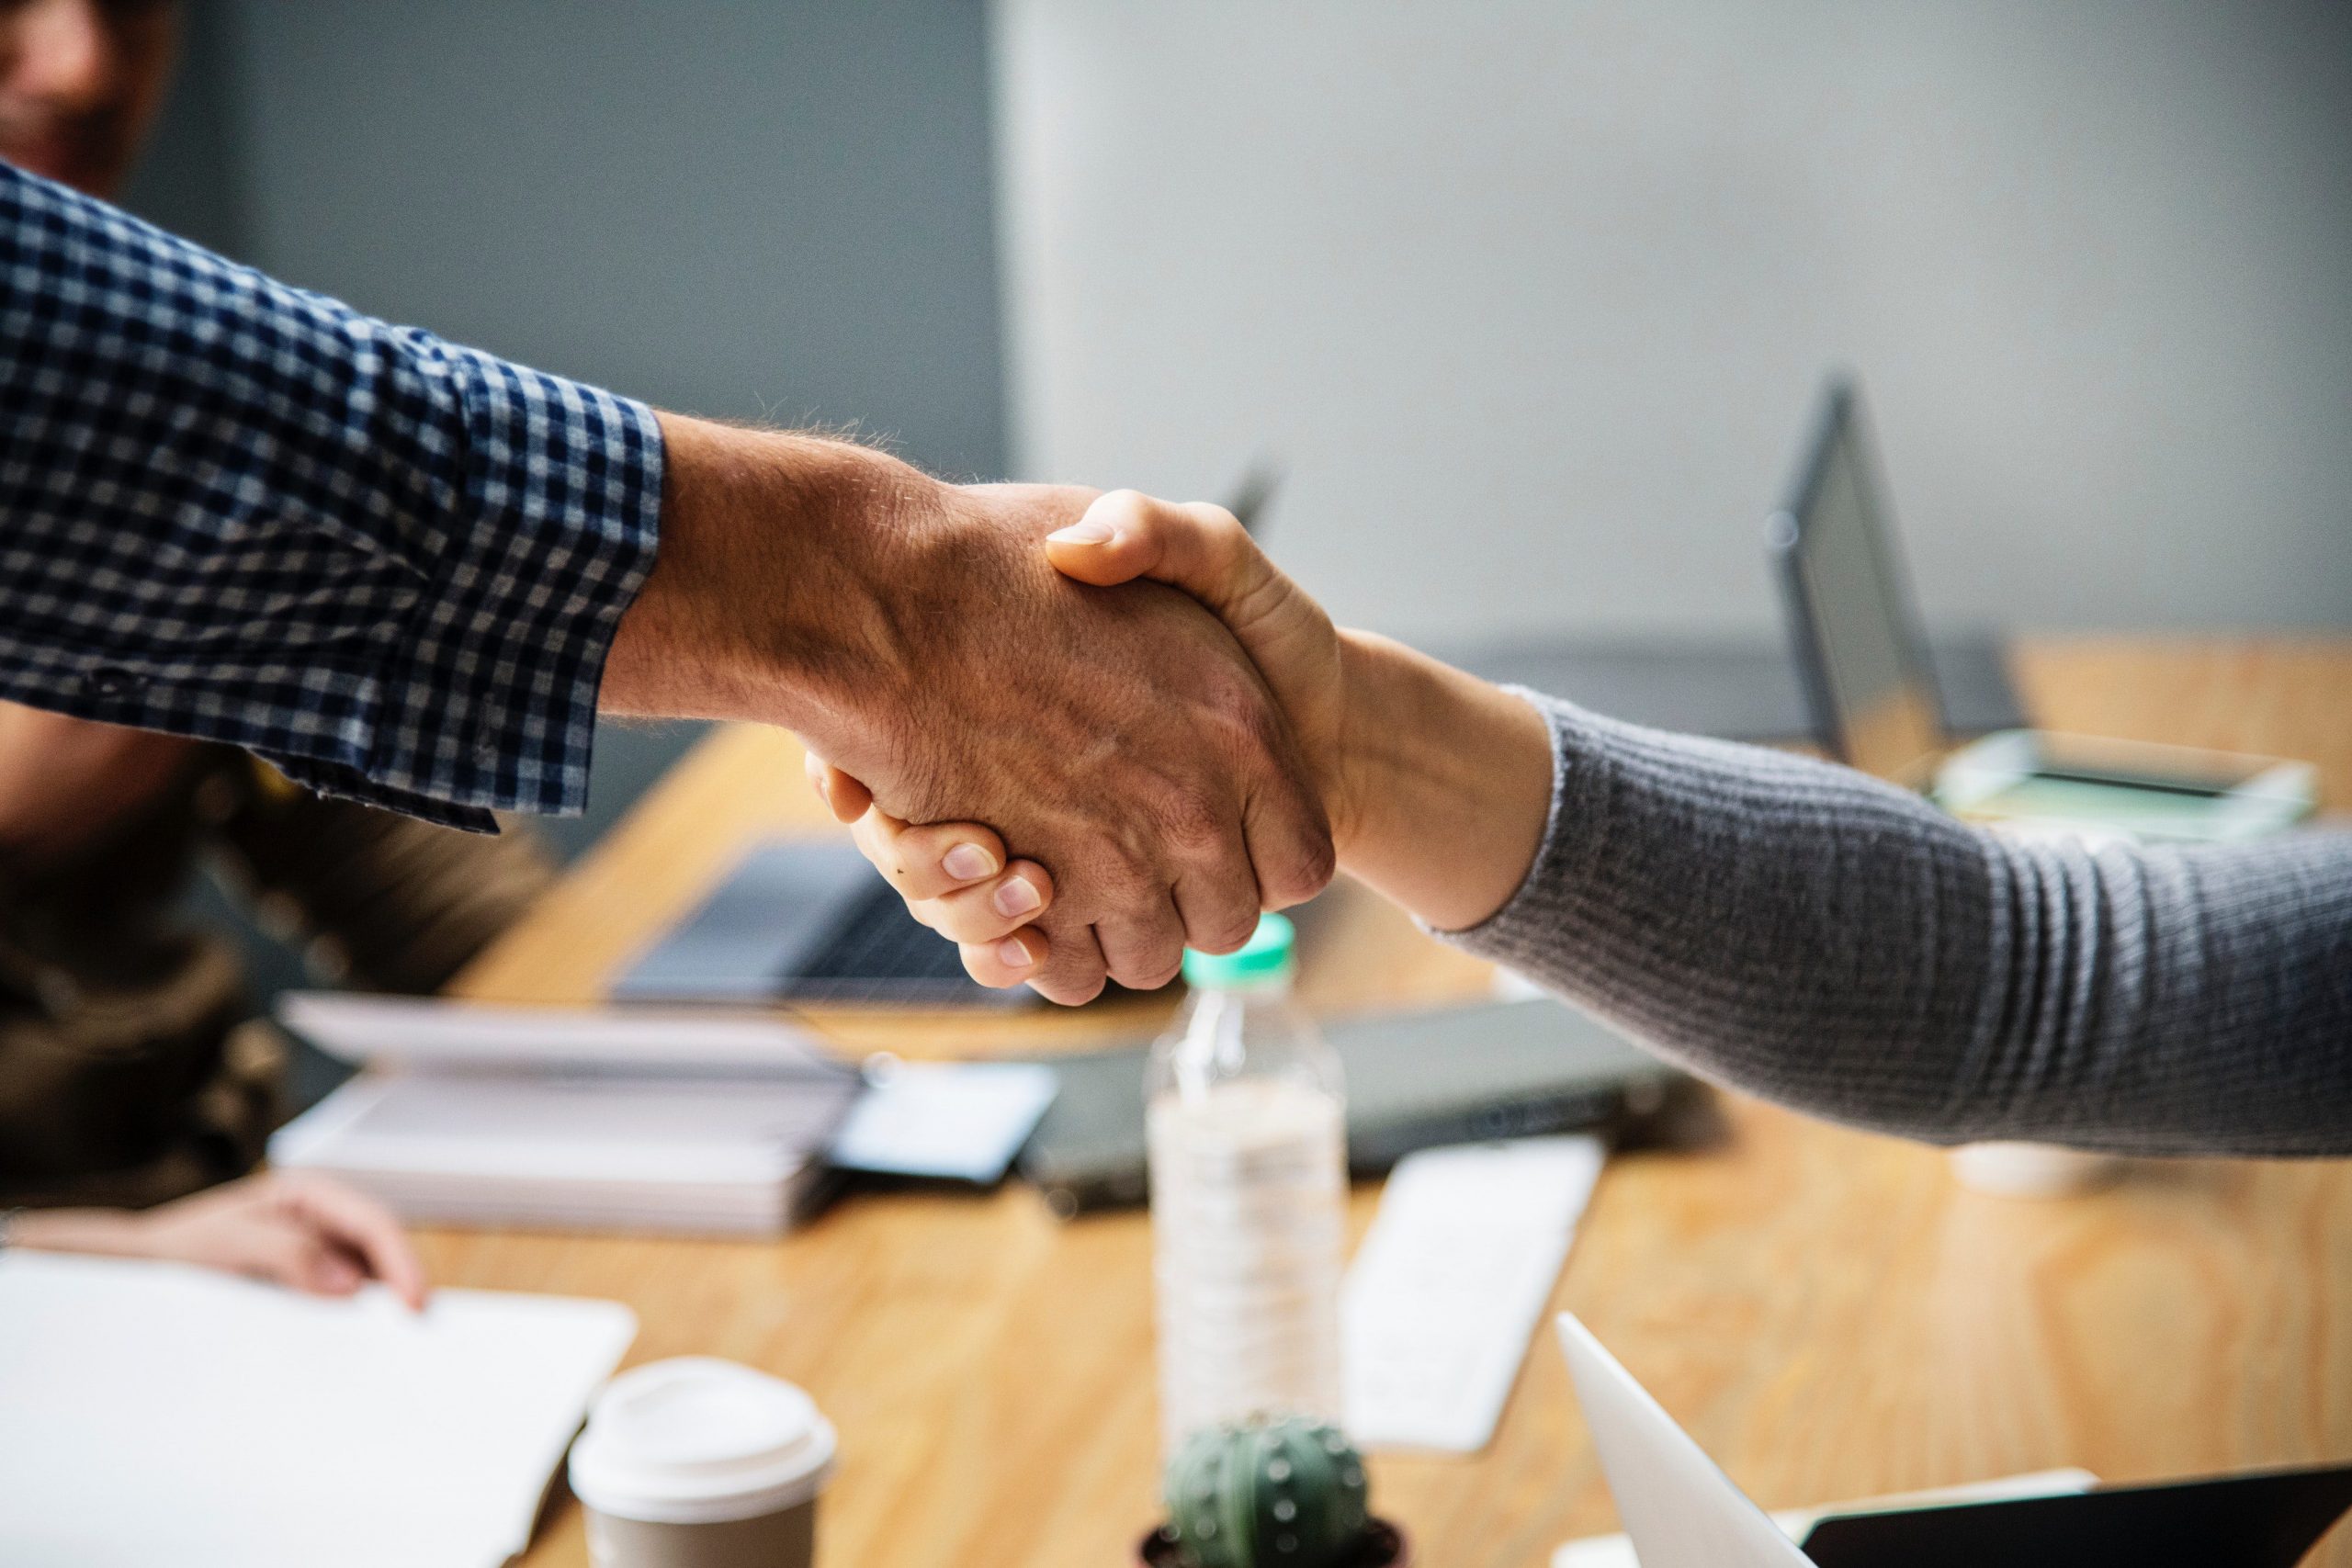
[(1444, 782), (762, 603)]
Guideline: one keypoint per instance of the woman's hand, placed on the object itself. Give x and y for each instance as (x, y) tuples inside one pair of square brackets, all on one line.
[(955, 879), (304, 1232)]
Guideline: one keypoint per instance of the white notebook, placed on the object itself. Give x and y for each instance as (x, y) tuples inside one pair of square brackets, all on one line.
[(155, 1414), (570, 1118), (597, 1151), (1450, 1282)]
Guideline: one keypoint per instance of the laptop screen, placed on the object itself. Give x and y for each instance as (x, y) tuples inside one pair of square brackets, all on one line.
[(1872, 690)]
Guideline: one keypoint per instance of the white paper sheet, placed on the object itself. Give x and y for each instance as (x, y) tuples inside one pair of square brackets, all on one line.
[(1450, 1282), (155, 1414), (436, 1033), (957, 1121), (1678, 1506)]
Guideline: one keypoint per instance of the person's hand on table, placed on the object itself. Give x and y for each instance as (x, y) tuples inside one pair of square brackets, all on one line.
[(915, 634), (305, 1231), (1435, 782)]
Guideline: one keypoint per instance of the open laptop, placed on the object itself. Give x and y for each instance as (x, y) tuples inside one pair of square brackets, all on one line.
[(1681, 1511), (1876, 702), (1859, 654)]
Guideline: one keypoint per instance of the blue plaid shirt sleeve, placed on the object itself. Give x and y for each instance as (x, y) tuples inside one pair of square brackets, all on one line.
[(233, 510)]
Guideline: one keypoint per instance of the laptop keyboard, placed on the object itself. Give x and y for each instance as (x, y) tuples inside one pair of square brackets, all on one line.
[(881, 954)]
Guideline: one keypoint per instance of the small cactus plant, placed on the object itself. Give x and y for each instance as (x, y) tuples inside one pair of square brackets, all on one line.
[(1276, 1492)]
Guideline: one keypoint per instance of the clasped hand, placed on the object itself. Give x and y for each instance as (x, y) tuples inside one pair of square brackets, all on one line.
[(959, 878), (914, 633)]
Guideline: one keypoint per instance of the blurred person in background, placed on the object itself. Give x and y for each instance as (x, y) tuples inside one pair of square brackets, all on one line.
[(132, 1076)]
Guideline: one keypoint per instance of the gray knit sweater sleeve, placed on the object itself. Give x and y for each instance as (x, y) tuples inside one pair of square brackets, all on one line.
[(1819, 938)]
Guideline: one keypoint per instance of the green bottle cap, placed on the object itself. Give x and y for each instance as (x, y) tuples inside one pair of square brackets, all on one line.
[(1267, 955)]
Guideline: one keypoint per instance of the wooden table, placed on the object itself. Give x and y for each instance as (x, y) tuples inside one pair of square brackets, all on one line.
[(1826, 1311)]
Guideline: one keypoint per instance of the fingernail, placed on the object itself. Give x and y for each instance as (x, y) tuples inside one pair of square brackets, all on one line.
[(1083, 534), (968, 863), (1013, 954), (1016, 897)]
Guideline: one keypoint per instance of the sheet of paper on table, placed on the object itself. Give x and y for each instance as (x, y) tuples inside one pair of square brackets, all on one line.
[(1450, 1283), (953, 1120), (159, 1414)]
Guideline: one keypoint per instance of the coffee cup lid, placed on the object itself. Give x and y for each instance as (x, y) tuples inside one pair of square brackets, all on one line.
[(697, 1440)]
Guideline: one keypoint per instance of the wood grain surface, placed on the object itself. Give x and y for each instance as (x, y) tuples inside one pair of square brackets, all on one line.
[(1827, 1313)]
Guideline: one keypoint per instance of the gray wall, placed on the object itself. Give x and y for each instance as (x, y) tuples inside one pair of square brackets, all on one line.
[(1531, 297), (750, 209), (191, 177), (744, 207)]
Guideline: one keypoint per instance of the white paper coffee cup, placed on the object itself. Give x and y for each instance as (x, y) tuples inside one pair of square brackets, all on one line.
[(697, 1463)]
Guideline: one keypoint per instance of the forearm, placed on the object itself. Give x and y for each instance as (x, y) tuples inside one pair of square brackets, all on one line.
[(1831, 942), (112, 1233), (1444, 782), (753, 610)]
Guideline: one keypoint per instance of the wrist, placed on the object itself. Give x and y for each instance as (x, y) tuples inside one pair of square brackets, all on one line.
[(767, 595), (104, 1232), (1446, 783)]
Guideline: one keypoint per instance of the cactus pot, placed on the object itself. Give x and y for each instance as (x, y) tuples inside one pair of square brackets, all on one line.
[(1384, 1546)]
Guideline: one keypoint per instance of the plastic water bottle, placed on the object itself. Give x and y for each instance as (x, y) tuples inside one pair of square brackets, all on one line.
[(1248, 1195)]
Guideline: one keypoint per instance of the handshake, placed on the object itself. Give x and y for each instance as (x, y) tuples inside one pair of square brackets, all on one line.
[(1264, 799), (1077, 731)]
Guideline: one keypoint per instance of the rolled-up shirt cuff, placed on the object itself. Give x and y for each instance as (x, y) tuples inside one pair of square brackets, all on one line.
[(491, 693), (246, 513), (478, 695)]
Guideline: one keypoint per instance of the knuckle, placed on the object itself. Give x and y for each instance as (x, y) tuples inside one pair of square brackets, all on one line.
[(1190, 819), (1151, 976), (1223, 925), (1302, 868), (1241, 714), (1120, 886), (1079, 995), (1223, 530)]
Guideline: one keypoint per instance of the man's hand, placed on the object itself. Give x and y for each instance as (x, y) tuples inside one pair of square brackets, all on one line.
[(915, 634), (304, 1232)]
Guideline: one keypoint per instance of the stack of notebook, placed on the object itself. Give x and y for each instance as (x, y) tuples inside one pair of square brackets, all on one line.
[(585, 1119)]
